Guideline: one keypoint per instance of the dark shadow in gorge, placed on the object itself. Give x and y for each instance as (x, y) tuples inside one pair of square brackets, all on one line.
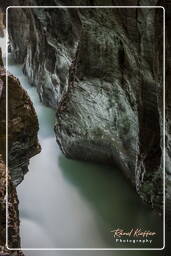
[(115, 202)]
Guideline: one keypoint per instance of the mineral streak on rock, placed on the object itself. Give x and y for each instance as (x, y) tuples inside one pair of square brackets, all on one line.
[(102, 70)]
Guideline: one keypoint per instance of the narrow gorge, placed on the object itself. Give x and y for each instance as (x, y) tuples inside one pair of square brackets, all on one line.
[(72, 204), (92, 87), (102, 84)]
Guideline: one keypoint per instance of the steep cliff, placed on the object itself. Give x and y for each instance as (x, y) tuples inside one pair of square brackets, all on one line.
[(102, 70)]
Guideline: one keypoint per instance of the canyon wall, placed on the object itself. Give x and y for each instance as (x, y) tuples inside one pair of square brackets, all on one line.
[(102, 70), (22, 145), (22, 127)]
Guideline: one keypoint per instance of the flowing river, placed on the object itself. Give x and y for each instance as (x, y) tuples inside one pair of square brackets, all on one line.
[(73, 204)]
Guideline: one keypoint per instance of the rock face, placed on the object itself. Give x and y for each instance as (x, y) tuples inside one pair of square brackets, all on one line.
[(102, 70), (22, 127), (47, 70), (110, 112), (22, 144)]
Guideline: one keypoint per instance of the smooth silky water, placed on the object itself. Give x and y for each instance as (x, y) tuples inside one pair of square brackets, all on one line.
[(67, 204)]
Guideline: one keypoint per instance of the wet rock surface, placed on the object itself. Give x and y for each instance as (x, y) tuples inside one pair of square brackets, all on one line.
[(102, 70)]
